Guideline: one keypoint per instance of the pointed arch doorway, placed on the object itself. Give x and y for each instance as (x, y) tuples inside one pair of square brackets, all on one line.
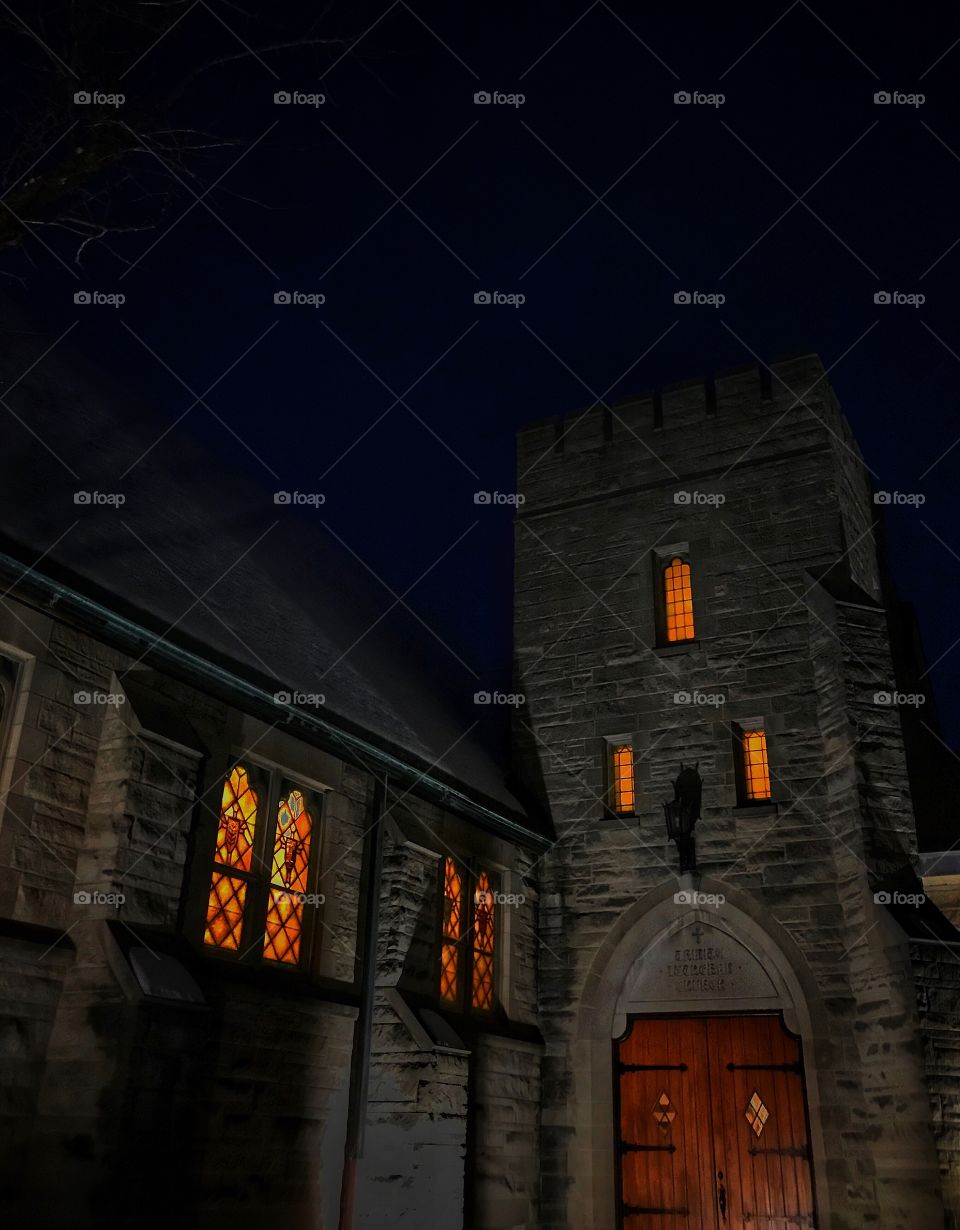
[(705, 998), (712, 1124)]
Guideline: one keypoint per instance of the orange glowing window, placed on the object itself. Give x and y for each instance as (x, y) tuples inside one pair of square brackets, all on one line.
[(288, 880), (678, 601), (225, 905), (756, 771), (451, 931), (227, 895), (238, 820), (259, 884), (483, 944), (622, 778)]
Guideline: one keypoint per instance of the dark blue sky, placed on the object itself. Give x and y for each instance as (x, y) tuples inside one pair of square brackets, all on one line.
[(703, 198)]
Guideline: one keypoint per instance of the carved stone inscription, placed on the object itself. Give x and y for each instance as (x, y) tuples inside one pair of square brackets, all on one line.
[(698, 962)]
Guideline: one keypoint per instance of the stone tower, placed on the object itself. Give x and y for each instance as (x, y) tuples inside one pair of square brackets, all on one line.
[(751, 489)]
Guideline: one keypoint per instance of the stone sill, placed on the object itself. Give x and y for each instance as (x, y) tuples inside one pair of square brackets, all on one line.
[(212, 972), (756, 809), (57, 945), (670, 651)]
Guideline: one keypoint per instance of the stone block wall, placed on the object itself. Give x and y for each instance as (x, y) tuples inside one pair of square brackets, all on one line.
[(412, 1171), (30, 989), (433, 1138), (772, 644), (507, 1094), (141, 807), (113, 778), (115, 1103), (938, 992)]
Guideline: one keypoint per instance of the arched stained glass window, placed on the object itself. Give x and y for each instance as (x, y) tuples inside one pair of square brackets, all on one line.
[(678, 601), (227, 896), (261, 884), (468, 939), (238, 820), (483, 944), (288, 880), (452, 928)]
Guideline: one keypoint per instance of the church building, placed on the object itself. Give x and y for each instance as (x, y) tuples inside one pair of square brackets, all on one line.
[(284, 942)]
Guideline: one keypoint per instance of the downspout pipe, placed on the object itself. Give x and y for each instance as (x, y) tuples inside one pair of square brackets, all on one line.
[(363, 1028)]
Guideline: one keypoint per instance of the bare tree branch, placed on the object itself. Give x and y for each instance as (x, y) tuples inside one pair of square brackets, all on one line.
[(76, 168)]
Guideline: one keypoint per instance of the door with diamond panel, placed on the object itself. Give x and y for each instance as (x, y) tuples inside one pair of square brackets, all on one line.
[(761, 1140), (712, 1126)]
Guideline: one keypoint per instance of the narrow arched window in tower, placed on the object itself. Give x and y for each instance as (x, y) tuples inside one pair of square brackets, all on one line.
[(483, 943), (678, 601), (288, 880), (756, 771), (232, 865), (452, 927), (622, 780)]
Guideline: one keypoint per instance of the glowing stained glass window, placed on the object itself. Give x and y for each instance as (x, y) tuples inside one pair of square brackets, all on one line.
[(756, 771), (483, 944), (238, 820), (227, 895), (288, 880), (623, 788), (452, 929), (678, 599)]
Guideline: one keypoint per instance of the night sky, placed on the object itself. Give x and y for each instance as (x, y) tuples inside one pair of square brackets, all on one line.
[(798, 198)]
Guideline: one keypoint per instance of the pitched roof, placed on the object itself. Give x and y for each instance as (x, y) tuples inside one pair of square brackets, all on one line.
[(200, 551)]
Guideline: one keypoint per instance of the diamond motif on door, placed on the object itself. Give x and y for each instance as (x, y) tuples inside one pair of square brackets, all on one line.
[(663, 1111), (756, 1114), (711, 1130)]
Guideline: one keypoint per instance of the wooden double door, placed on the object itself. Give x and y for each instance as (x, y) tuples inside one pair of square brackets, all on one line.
[(712, 1125)]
